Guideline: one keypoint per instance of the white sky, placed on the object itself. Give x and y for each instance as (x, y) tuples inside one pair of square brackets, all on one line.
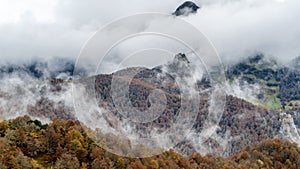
[(48, 28), (13, 10)]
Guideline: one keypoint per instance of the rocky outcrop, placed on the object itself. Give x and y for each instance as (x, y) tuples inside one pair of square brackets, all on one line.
[(186, 9)]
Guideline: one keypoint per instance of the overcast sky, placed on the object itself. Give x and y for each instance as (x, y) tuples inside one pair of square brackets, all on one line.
[(59, 28)]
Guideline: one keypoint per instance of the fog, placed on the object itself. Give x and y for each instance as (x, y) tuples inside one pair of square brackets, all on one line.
[(61, 28)]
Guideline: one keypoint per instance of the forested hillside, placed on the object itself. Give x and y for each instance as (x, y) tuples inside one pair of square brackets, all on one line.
[(27, 143)]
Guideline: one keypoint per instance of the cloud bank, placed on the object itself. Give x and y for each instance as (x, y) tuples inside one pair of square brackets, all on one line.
[(237, 28), (241, 28)]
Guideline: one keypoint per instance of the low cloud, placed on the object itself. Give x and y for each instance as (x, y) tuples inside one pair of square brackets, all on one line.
[(241, 28), (236, 28)]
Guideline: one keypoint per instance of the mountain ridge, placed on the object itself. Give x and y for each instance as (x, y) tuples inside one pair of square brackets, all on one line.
[(241, 119)]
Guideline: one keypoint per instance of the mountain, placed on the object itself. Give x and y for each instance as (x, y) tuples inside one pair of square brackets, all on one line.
[(186, 9), (40, 69), (271, 114), (280, 84)]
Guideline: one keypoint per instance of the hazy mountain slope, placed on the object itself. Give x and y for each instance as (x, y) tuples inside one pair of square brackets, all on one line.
[(241, 124), (279, 84)]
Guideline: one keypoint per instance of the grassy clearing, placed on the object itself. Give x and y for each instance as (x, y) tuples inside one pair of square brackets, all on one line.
[(270, 102)]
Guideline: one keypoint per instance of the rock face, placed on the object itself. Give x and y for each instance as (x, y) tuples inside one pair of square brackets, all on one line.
[(288, 130), (186, 9), (181, 57), (180, 66)]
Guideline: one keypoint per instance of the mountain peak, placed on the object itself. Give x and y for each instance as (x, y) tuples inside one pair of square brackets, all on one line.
[(256, 58), (181, 57), (186, 9)]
